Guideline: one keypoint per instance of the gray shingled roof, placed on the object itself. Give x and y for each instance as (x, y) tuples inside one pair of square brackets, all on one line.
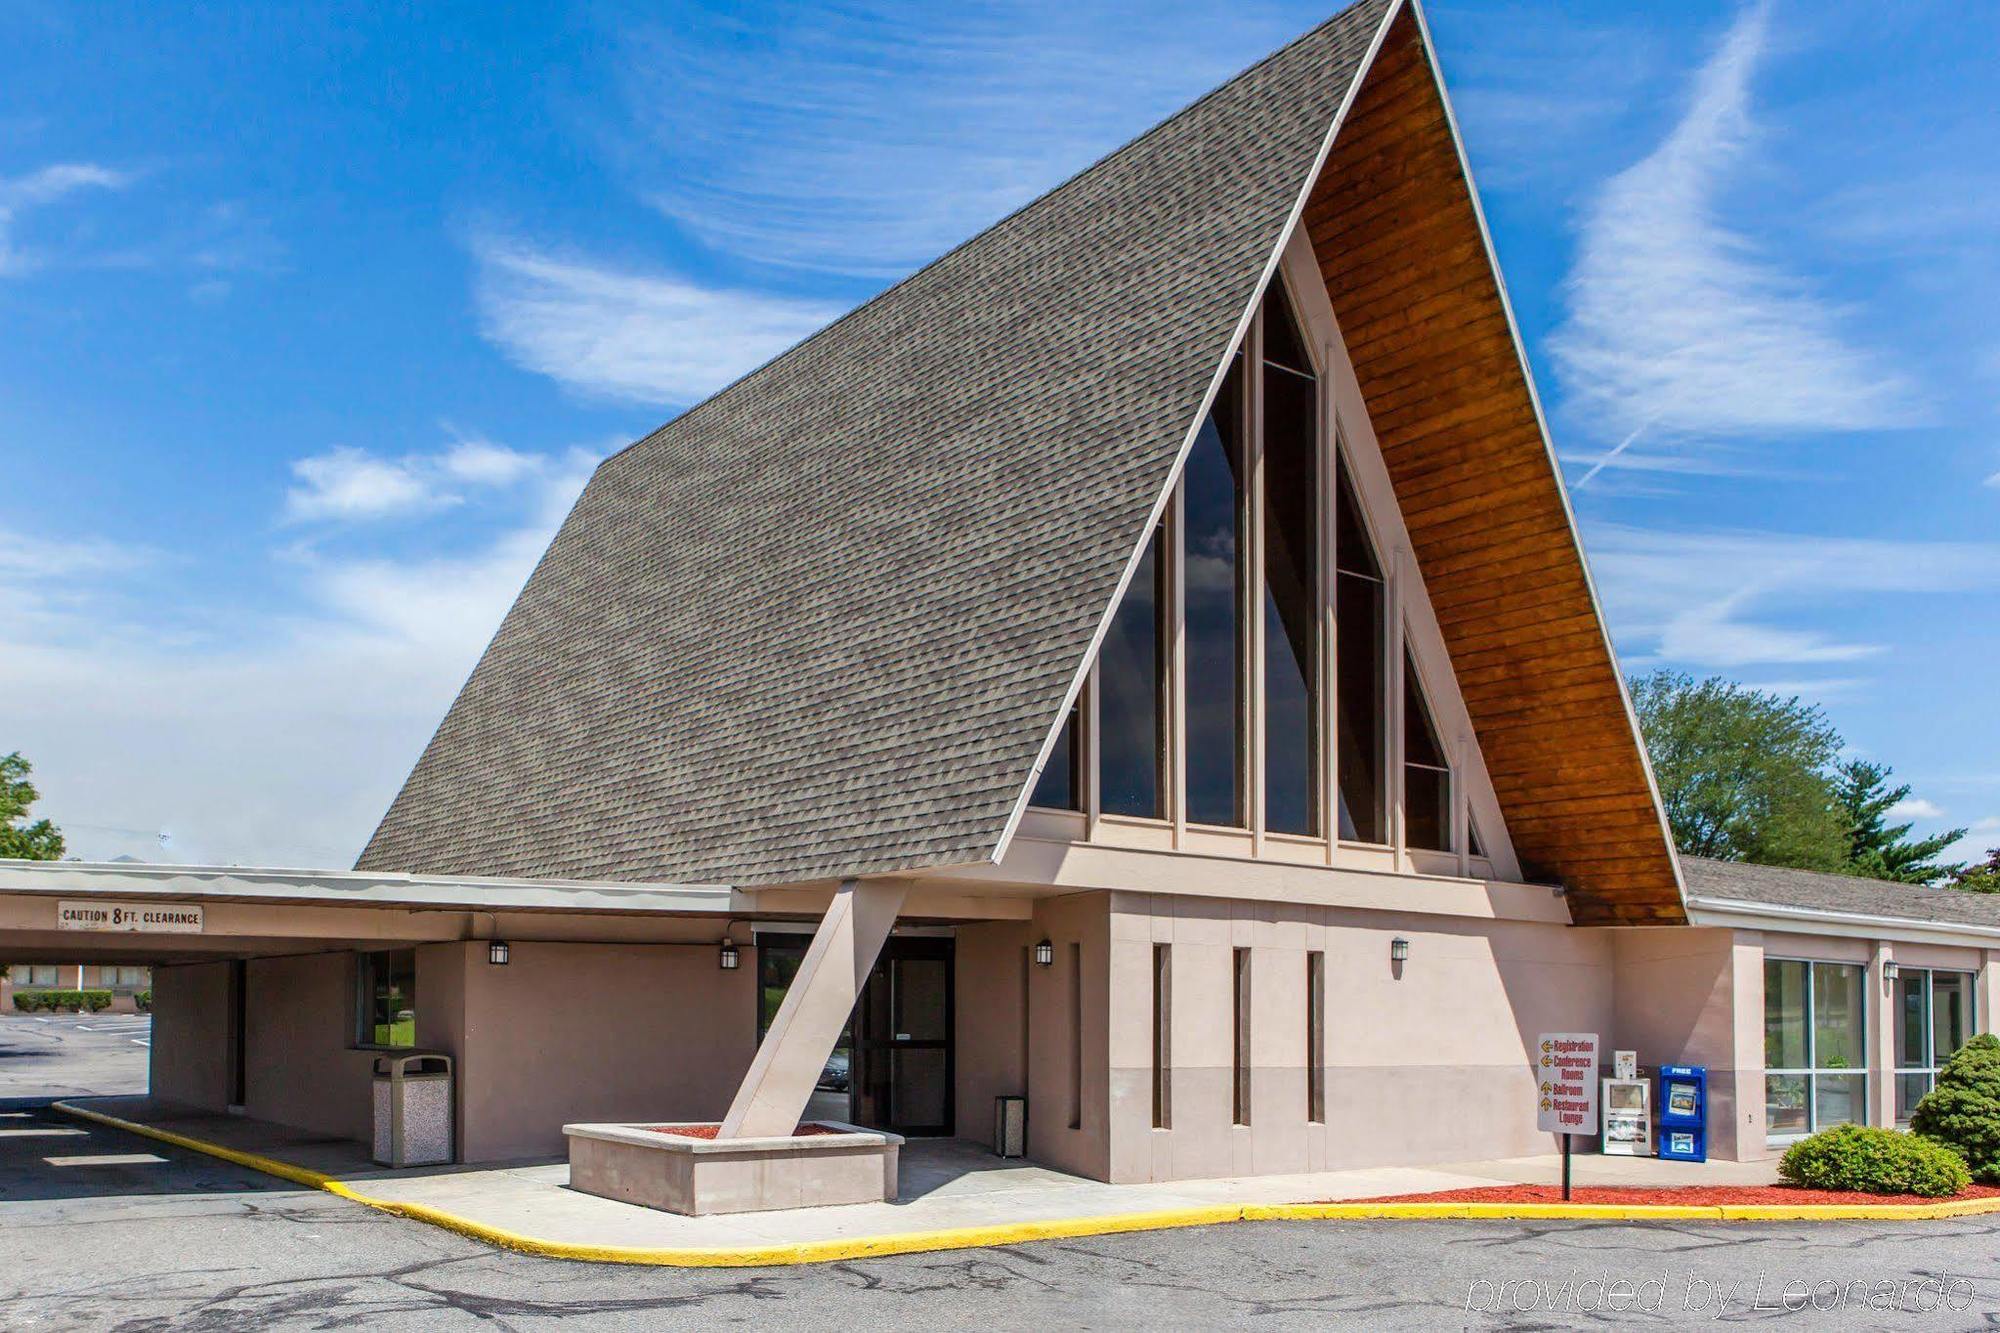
[(1780, 886), (822, 624)]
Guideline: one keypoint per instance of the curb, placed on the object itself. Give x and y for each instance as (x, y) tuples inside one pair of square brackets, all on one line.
[(1014, 1233)]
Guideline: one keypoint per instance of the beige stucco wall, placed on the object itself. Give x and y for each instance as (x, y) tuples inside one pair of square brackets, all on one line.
[(589, 1033), (1057, 1049), (991, 1038), (302, 1067), (1695, 996), (188, 1057), (1428, 1062)]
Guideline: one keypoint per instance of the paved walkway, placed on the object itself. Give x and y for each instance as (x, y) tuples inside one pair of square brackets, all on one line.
[(946, 1184)]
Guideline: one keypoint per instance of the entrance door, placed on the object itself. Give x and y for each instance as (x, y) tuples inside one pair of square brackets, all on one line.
[(902, 1031)]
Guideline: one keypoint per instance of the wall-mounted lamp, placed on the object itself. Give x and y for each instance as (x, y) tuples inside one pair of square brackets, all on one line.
[(727, 958), (497, 952), (1045, 954), (1890, 971), (1399, 950)]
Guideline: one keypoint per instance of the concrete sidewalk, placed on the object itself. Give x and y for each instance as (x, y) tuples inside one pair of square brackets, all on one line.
[(947, 1185)]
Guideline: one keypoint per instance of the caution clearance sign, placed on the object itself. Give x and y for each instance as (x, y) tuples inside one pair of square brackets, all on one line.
[(145, 918), (1566, 1082)]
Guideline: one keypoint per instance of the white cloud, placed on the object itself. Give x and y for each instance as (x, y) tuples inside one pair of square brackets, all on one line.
[(256, 738), (862, 142), (346, 483), (485, 463), (351, 483), (1734, 599), (18, 194), (622, 333), (1915, 807), (1994, 481), (1679, 324)]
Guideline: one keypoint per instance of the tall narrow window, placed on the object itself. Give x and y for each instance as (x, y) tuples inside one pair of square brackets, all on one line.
[(1291, 574), (1240, 1059), (387, 985), (1076, 1036), (1129, 708), (1426, 774), (1359, 597), (1315, 1035), (1058, 788), (1163, 1022), (1214, 518)]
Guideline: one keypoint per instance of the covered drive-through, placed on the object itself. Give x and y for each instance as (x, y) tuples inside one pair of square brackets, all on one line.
[(275, 992)]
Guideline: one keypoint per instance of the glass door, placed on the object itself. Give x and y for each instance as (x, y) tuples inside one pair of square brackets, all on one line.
[(902, 1027)]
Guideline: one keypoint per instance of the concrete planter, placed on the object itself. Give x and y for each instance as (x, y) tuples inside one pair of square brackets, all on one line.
[(696, 1177)]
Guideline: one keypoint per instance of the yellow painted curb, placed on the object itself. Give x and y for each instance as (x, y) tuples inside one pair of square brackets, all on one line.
[(1015, 1233)]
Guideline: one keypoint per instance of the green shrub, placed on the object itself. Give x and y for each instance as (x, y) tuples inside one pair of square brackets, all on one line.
[(1963, 1110), (62, 1001), (144, 999), (1874, 1161)]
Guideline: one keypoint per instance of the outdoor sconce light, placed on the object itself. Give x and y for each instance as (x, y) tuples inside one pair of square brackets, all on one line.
[(1890, 972), (497, 952), (1045, 954), (727, 959), (1399, 950)]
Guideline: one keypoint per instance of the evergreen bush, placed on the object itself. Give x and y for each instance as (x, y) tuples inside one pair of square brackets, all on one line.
[(1963, 1110), (1874, 1161)]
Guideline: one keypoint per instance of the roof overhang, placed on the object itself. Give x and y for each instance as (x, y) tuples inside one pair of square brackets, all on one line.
[(356, 888), (1745, 915), (1409, 265)]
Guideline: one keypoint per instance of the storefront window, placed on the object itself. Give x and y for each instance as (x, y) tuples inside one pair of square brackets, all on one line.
[(1815, 1052), (388, 998), (1933, 1019)]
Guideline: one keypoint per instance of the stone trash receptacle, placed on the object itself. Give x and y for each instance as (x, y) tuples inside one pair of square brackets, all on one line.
[(687, 1169)]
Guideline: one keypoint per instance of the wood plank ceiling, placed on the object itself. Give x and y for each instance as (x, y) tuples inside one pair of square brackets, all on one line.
[(1419, 306)]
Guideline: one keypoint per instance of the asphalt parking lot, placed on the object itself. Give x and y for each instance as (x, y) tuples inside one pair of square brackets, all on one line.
[(103, 1230), (73, 1055)]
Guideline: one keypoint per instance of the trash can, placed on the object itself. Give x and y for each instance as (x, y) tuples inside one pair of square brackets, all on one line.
[(413, 1109), (1010, 1126)]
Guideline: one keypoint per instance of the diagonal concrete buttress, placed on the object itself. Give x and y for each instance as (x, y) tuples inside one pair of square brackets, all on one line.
[(787, 1067)]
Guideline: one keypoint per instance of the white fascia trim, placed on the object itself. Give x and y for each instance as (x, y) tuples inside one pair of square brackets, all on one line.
[(1548, 443), (355, 888), (1745, 915), (1194, 428)]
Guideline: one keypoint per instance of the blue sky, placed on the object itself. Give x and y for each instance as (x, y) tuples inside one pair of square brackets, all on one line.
[(313, 321)]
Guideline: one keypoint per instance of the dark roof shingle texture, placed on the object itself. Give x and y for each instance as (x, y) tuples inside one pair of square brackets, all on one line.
[(1780, 886), (821, 624)]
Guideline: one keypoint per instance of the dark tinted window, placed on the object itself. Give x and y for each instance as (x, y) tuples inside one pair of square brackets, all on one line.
[(1291, 581), (1358, 609), (1056, 789), (1129, 697), (1213, 517), (1426, 775)]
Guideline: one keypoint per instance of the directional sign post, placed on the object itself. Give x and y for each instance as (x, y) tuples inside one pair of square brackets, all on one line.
[(1566, 1088)]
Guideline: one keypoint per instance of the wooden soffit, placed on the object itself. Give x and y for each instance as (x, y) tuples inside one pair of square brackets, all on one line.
[(1413, 284)]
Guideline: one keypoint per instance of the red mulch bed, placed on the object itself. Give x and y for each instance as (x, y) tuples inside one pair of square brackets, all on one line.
[(1698, 1195), (806, 1131)]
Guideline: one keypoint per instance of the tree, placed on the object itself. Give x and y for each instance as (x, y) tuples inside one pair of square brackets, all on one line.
[(1743, 773), (39, 841), (1980, 877), (1879, 850)]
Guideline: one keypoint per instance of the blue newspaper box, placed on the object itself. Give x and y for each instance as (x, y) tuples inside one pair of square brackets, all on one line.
[(1683, 1113)]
